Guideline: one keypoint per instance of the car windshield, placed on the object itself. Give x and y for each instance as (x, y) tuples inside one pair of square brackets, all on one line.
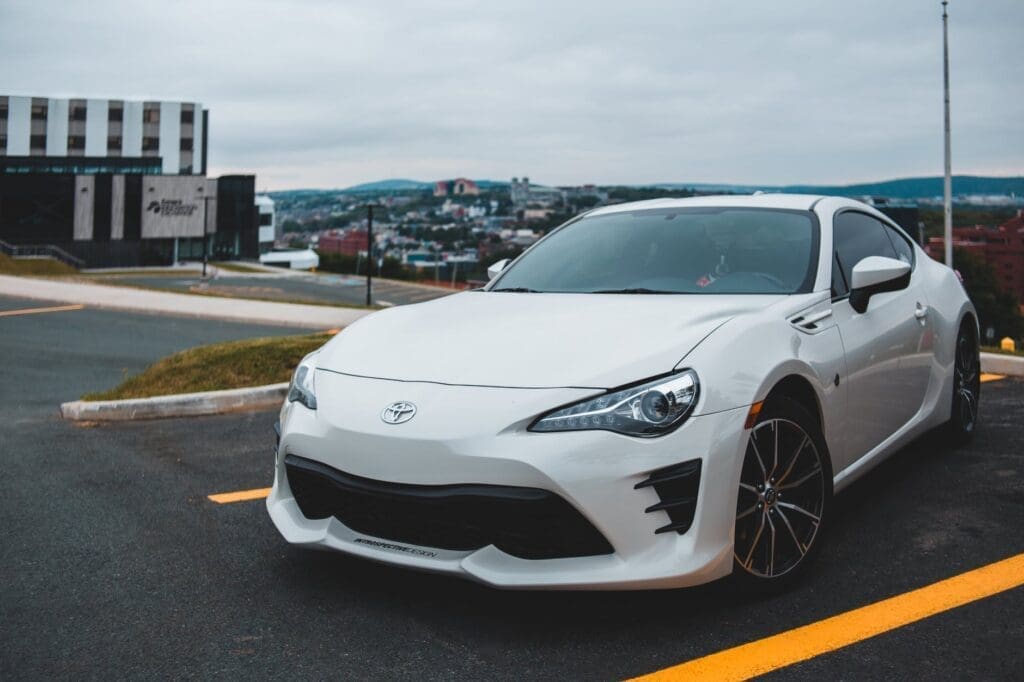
[(673, 251)]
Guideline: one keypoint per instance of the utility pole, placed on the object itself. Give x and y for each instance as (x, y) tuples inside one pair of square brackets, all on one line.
[(369, 253), (206, 238), (947, 185)]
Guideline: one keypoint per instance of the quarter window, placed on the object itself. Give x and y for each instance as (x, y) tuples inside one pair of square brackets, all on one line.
[(904, 251), (857, 236)]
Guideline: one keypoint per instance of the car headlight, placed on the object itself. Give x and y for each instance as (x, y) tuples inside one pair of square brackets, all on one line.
[(303, 386), (649, 409)]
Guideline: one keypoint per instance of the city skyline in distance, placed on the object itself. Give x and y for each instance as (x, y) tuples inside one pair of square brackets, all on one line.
[(325, 95)]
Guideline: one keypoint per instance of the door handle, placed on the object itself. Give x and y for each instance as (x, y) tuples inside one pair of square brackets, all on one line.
[(921, 311)]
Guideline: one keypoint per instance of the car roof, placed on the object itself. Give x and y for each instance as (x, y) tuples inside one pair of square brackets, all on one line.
[(800, 202)]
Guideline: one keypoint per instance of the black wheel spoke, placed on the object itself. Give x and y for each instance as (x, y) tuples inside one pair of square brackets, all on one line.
[(803, 479), (796, 508), (792, 533), (793, 459)]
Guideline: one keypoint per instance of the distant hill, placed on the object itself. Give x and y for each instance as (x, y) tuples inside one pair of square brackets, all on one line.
[(905, 188), (393, 185)]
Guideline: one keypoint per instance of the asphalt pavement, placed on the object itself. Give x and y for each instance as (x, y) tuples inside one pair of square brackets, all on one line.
[(115, 563)]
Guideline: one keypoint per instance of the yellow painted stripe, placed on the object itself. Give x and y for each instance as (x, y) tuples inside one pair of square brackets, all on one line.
[(991, 377), (34, 311), (239, 496), (784, 649)]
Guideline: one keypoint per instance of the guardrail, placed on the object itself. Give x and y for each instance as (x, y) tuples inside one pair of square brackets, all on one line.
[(45, 250)]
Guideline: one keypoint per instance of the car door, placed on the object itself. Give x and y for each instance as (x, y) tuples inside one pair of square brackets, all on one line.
[(888, 347)]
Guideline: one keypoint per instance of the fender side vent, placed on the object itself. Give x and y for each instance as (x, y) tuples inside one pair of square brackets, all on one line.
[(677, 487), (811, 322)]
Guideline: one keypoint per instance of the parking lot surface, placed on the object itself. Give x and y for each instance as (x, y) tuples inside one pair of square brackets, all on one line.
[(306, 288), (115, 562)]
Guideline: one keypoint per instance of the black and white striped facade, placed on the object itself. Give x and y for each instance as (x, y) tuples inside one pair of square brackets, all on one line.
[(174, 132)]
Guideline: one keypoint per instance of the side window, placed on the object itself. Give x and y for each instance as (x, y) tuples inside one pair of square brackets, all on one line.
[(857, 236), (904, 251)]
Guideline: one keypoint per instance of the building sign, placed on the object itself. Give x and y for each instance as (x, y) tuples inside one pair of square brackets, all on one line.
[(176, 206)]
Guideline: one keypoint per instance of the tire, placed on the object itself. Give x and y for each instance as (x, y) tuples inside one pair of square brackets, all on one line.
[(784, 501), (963, 418)]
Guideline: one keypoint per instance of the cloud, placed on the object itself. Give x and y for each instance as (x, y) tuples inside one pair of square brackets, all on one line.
[(319, 93)]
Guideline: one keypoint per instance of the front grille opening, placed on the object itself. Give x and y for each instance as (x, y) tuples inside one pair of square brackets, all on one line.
[(677, 487), (528, 523)]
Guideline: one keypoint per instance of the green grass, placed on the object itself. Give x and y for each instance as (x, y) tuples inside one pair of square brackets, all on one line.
[(995, 349), (220, 366), (33, 266), (238, 267)]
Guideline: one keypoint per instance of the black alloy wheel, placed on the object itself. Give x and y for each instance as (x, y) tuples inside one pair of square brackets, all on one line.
[(966, 385), (784, 497)]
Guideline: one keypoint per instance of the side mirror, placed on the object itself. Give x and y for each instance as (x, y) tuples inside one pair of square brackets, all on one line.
[(874, 275), (495, 269)]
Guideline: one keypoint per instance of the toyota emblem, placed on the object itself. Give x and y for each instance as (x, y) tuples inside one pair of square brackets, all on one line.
[(398, 413)]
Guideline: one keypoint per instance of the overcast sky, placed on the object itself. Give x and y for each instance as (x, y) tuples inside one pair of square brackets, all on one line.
[(318, 93)]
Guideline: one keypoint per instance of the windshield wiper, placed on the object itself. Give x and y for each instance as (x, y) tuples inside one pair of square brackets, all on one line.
[(518, 290), (634, 290)]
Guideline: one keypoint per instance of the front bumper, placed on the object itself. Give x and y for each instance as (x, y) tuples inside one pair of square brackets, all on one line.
[(477, 435)]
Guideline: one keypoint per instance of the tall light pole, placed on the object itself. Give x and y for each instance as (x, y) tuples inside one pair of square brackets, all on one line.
[(206, 237), (947, 185), (369, 253)]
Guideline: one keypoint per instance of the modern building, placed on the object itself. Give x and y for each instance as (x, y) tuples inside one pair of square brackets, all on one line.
[(119, 136), (120, 183), (268, 226), (1001, 247)]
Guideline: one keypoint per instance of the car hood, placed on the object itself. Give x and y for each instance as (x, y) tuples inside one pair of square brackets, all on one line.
[(522, 340)]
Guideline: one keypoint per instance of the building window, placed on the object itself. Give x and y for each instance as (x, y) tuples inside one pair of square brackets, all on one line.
[(3, 111), (266, 218), (37, 142), (76, 142), (39, 112), (151, 115), (115, 112), (3, 143), (186, 144), (114, 144), (187, 116), (76, 112), (151, 144)]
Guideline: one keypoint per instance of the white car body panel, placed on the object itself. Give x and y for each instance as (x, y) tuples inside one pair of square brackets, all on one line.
[(482, 366)]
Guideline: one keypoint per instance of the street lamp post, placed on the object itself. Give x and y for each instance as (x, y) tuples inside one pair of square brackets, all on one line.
[(206, 239), (947, 185), (369, 253)]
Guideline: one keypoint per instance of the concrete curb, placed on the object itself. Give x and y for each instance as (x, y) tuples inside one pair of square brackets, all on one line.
[(996, 363), (181, 405)]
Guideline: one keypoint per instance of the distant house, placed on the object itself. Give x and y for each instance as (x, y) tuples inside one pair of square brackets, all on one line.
[(456, 188), (1002, 247), (348, 242)]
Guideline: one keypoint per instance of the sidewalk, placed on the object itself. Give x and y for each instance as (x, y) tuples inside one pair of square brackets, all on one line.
[(186, 305)]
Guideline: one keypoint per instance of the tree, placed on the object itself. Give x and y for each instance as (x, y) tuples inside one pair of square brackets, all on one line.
[(996, 308)]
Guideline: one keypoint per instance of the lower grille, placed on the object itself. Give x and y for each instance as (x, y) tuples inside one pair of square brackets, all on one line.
[(677, 487), (528, 523)]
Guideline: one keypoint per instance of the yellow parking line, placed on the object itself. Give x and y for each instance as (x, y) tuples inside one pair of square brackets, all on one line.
[(33, 311), (784, 649), (991, 377), (239, 496)]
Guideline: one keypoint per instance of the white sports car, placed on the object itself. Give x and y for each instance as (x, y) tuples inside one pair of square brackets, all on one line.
[(655, 395)]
